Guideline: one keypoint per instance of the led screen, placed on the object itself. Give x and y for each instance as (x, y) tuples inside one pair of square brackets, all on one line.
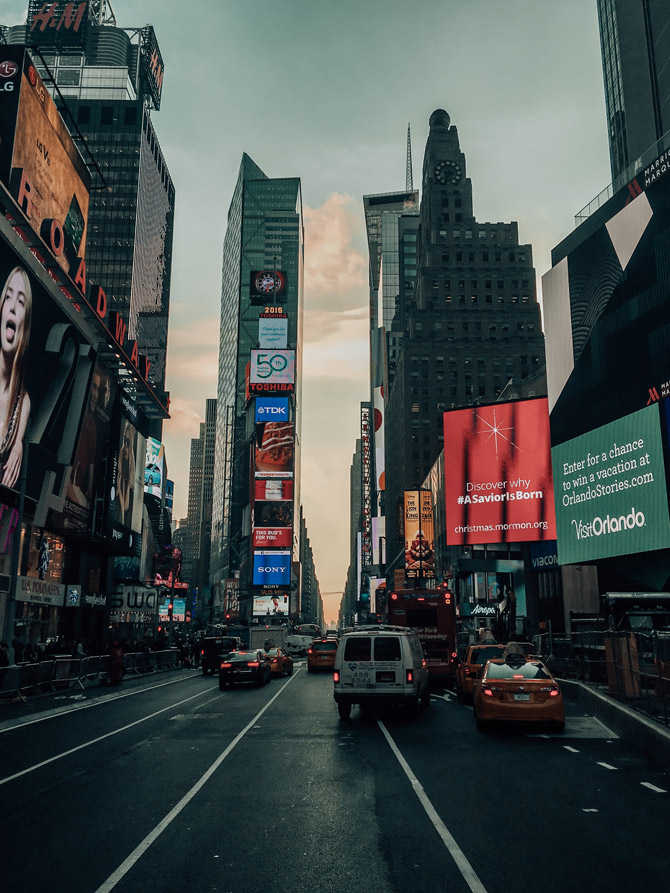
[(272, 568), (611, 494), (273, 489), (419, 546), (153, 467), (273, 332), (267, 286), (270, 367), (497, 474), (271, 409), (274, 450), (271, 605)]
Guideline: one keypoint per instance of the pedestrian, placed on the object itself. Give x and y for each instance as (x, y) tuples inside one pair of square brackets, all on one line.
[(116, 663)]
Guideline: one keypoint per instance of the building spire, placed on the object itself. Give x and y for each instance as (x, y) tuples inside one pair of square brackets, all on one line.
[(409, 180)]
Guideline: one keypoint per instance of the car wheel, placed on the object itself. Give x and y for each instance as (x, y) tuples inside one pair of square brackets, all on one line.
[(344, 710)]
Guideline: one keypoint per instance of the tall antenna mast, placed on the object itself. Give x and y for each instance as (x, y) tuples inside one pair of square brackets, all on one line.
[(409, 180)]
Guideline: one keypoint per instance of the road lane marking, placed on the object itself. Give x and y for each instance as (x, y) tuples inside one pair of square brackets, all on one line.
[(66, 753), (105, 699), (589, 810), (607, 766), (455, 851), (571, 749), (652, 787), (152, 836)]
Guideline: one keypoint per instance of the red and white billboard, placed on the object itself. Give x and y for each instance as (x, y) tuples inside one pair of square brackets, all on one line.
[(273, 489), (497, 473), (277, 537)]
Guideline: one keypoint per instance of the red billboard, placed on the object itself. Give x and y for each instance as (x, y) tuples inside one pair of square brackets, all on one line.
[(497, 474)]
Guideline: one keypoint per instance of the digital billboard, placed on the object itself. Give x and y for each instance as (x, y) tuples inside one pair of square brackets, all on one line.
[(274, 450), (46, 375), (272, 524), (126, 486), (611, 496), (272, 367), (272, 568), (271, 409), (62, 24), (497, 474), (273, 489), (38, 159), (267, 286), (271, 605), (273, 331), (419, 534), (154, 467)]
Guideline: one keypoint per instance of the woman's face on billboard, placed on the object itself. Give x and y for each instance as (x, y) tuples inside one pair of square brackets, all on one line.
[(13, 315)]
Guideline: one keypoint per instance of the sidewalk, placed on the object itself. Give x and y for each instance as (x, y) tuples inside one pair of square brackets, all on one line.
[(640, 731)]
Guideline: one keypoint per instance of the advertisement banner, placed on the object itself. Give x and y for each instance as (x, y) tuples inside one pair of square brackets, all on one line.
[(271, 605), (274, 450), (38, 159), (419, 534), (273, 332), (271, 409), (497, 474), (127, 487), (272, 367), (62, 24), (274, 537), (273, 489), (153, 467), (611, 496), (272, 568), (267, 286), (273, 514), (47, 376)]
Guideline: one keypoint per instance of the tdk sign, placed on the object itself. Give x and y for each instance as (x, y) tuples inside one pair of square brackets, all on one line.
[(271, 409)]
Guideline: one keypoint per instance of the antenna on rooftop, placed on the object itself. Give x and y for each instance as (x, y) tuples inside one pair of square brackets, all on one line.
[(409, 180)]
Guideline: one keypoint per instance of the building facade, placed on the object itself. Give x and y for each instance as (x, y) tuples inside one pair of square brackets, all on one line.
[(257, 461)]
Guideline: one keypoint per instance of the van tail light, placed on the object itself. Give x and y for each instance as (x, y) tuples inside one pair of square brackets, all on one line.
[(254, 663), (409, 676), (226, 666), (423, 662), (336, 676)]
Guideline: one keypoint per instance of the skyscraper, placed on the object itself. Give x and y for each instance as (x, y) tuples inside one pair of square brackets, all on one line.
[(107, 80), (470, 326), (635, 45), (257, 460)]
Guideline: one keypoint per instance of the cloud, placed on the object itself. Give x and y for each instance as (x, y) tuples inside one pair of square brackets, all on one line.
[(335, 270)]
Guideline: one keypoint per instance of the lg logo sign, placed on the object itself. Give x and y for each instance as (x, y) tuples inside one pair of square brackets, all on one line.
[(7, 70)]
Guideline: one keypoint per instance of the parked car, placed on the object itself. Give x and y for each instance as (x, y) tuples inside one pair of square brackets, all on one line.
[(244, 666), (321, 655), (213, 648), (281, 662), (376, 665), (518, 690)]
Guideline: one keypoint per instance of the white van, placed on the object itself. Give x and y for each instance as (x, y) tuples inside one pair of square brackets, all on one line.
[(380, 665), (298, 645)]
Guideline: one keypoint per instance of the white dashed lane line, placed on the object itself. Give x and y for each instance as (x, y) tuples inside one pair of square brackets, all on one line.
[(607, 766), (652, 787), (571, 749)]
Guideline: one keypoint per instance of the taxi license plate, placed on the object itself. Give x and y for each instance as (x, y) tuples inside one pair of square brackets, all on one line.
[(522, 697), (385, 677)]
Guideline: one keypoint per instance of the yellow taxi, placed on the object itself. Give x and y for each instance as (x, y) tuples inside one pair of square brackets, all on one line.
[(321, 655), (471, 665), (281, 662), (517, 690)]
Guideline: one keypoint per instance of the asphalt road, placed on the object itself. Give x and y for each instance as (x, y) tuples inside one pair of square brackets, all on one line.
[(169, 784)]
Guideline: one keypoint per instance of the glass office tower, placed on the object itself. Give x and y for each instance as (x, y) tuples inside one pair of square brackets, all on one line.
[(264, 236)]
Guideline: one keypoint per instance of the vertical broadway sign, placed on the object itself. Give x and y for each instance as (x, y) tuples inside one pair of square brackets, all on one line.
[(366, 485)]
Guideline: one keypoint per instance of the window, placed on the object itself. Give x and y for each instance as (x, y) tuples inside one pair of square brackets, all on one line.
[(358, 648), (84, 114), (107, 114), (130, 115)]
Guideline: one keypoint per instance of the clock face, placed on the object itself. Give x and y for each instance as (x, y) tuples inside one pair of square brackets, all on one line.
[(448, 172), (268, 283)]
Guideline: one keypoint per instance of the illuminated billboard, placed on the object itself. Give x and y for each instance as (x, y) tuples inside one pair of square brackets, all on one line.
[(273, 489), (271, 605), (419, 534), (497, 474), (273, 456), (59, 25), (272, 524), (611, 496), (271, 409), (154, 467), (267, 286), (272, 568), (272, 367), (273, 332), (38, 159), (126, 486)]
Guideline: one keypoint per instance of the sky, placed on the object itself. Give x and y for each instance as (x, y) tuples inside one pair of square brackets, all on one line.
[(324, 92)]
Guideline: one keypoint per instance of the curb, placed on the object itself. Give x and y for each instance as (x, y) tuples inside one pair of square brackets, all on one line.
[(645, 735)]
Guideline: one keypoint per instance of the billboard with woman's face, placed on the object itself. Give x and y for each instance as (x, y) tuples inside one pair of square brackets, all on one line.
[(46, 373), (126, 485)]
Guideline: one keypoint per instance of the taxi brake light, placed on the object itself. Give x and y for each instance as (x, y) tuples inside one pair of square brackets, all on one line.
[(253, 663), (517, 676), (487, 691), (226, 666)]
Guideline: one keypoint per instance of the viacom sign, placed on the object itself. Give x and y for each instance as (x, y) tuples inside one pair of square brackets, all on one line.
[(610, 490), (271, 409), (272, 568)]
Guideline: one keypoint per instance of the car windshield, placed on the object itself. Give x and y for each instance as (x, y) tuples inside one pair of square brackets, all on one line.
[(324, 646), (242, 657), (517, 670), (272, 652), (481, 655)]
